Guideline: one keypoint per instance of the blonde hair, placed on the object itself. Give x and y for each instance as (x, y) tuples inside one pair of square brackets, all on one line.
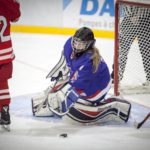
[(96, 57)]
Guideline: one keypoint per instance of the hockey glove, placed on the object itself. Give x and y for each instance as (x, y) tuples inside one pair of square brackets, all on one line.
[(71, 97), (57, 77)]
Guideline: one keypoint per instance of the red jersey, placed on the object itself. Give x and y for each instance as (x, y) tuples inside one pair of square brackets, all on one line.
[(9, 12)]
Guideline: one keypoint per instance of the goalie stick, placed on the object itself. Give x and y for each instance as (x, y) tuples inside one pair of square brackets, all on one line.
[(45, 102), (51, 89), (139, 125)]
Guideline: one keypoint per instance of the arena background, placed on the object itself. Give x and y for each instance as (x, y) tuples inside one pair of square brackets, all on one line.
[(65, 16)]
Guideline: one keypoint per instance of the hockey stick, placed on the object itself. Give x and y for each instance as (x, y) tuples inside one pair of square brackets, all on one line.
[(51, 89), (37, 107), (139, 125)]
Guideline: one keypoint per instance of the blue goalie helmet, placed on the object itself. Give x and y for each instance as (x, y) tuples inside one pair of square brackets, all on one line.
[(82, 40)]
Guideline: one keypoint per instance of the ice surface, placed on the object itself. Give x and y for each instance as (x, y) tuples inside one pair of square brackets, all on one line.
[(35, 56)]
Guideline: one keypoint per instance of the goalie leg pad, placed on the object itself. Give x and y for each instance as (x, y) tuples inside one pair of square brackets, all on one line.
[(40, 107), (123, 107), (50, 99), (112, 109), (64, 99)]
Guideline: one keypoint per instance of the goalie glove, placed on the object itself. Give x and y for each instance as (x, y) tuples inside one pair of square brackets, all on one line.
[(70, 99), (57, 77), (64, 99)]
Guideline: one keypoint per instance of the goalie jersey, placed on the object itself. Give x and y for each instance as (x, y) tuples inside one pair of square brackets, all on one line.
[(90, 85)]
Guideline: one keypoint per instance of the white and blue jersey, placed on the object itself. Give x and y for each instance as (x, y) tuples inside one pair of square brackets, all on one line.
[(92, 86)]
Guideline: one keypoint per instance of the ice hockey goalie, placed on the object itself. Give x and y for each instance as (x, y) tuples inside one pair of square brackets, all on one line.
[(81, 81)]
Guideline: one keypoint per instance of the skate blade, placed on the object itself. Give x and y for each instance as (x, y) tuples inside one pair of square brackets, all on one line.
[(5, 127)]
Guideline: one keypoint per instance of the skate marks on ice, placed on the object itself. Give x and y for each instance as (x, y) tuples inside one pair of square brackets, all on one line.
[(21, 107), (24, 123), (36, 128), (31, 132)]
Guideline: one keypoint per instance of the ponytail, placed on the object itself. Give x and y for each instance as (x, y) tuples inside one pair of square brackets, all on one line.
[(96, 58)]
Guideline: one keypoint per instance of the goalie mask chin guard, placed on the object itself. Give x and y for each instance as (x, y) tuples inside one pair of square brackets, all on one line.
[(82, 40)]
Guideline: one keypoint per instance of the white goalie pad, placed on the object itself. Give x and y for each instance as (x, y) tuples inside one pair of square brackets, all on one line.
[(59, 74), (57, 102), (63, 100), (39, 106), (113, 109), (40, 101)]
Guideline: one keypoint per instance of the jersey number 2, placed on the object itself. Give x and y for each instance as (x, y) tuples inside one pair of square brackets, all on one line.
[(3, 21)]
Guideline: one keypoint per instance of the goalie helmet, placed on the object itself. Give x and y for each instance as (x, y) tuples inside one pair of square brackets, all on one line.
[(82, 40)]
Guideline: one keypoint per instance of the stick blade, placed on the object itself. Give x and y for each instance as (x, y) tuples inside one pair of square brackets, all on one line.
[(140, 124)]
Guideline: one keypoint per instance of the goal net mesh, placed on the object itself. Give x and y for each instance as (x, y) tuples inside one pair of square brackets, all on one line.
[(133, 52)]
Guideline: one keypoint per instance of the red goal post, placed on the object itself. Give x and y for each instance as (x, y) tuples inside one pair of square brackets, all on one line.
[(124, 29)]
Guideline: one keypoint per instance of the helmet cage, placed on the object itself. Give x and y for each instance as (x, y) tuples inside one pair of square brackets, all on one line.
[(80, 46)]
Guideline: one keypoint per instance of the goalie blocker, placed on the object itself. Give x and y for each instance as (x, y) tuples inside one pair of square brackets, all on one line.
[(65, 102)]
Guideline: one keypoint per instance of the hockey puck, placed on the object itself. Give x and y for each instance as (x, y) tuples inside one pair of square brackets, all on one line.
[(64, 135)]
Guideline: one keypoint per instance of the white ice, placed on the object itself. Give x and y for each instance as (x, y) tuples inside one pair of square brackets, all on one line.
[(35, 56)]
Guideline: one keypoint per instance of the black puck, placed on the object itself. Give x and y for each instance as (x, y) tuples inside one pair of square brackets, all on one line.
[(63, 135)]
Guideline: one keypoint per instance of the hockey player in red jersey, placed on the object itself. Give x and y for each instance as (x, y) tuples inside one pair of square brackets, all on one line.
[(9, 12)]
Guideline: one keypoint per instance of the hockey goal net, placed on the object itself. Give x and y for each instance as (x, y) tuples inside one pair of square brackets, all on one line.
[(132, 47)]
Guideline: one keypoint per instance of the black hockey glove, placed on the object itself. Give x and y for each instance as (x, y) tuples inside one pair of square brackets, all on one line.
[(58, 77)]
